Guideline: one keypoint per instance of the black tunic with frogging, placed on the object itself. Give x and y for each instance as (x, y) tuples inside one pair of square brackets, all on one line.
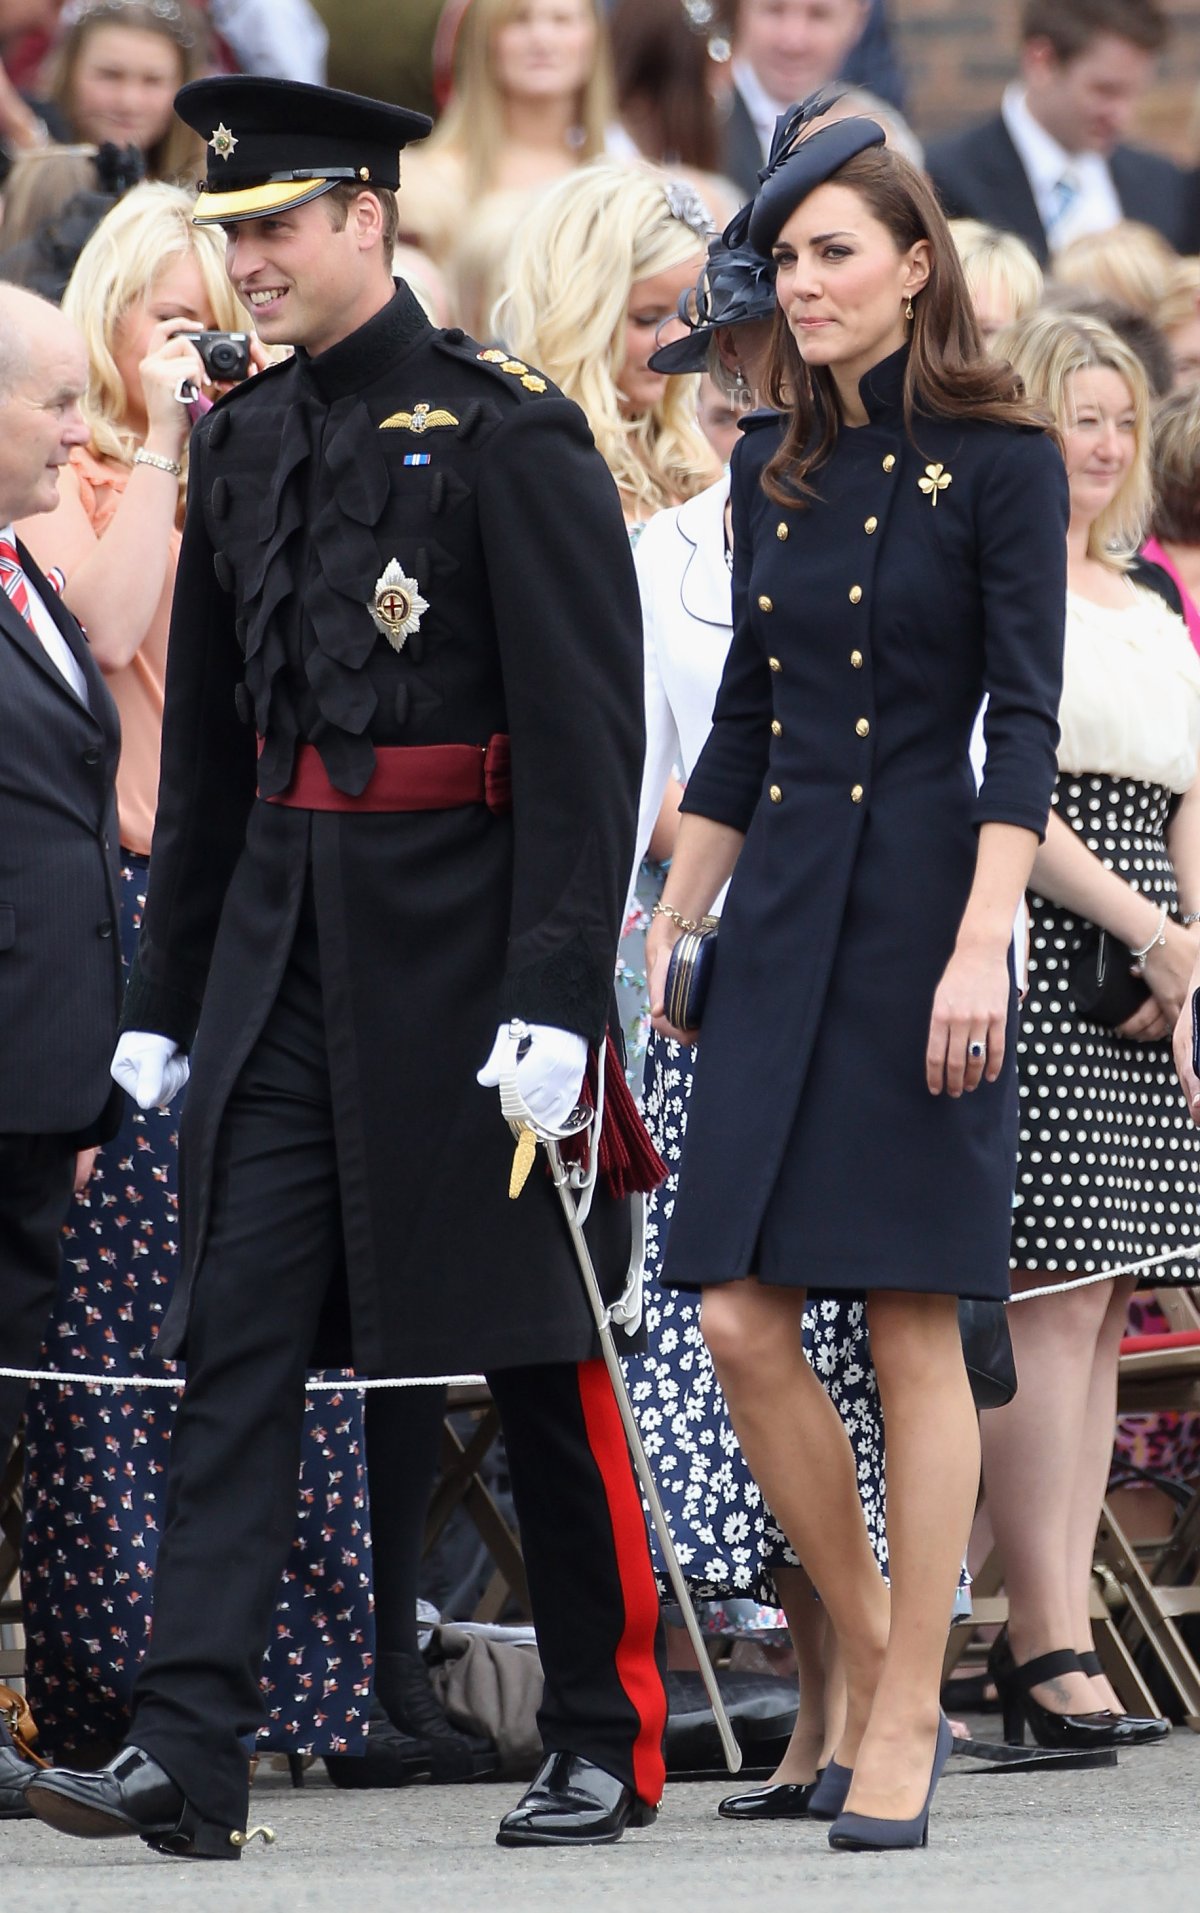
[(868, 625), (433, 926)]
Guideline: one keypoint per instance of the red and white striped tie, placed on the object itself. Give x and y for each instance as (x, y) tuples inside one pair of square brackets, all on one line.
[(13, 579)]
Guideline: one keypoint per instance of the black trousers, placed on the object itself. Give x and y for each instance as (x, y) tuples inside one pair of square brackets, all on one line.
[(273, 1255), (36, 1178)]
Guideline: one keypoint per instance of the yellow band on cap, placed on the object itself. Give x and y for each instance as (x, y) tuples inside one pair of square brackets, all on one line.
[(252, 202)]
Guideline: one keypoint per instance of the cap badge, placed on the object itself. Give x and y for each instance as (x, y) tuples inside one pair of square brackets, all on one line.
[(422, 418), (398, 606), (935, 480), (223, 142)]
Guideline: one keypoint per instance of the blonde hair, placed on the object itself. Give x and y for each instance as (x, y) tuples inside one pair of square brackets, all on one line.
[(1046, 351), (573, 262), (1176, 465), (1180, 303), (996, 261), (1130, 263), (121, 263), (473, 123)]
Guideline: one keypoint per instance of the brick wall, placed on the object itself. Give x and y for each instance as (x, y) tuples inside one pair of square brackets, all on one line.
[(958, 55)]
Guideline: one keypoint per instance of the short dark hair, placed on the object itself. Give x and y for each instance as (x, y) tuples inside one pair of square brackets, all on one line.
[(1071, 25), (339, 200), (1176, 466)]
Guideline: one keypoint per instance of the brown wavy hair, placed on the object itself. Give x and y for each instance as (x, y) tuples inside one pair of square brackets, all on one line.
[(948, 374)]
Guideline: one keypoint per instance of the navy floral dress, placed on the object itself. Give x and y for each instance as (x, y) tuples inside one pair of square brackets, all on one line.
[(95, 1479)]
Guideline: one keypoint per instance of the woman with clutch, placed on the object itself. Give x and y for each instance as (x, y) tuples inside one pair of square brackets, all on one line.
[(1109, 1168), (898, 552)]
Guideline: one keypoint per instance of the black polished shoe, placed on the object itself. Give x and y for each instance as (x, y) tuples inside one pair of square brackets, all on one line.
[(1019, 1709), (572, 1803), (391, 1759), (132, 1795), (782, 1800), (405, 1693), (1139, 1730), (15, 1776)]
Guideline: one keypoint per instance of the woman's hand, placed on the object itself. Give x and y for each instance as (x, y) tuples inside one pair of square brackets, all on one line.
[(171, 357), (1167, 969), (661, 938), (970, 1007), (1146, 1025), (1185, 1067)]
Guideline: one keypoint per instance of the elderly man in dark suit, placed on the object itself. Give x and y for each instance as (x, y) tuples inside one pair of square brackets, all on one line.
[(1051, 166), (60, 965)]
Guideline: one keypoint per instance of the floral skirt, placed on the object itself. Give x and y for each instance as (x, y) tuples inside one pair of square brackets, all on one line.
[(95, 1474), (725, 1535)]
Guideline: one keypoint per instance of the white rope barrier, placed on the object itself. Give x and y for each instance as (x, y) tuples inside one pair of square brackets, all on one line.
[(67, 1377)]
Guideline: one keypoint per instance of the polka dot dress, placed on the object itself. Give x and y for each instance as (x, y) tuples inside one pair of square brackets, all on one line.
[(1109, 1162)]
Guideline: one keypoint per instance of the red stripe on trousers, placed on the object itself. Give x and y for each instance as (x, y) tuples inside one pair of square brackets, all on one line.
[(637, 1669)]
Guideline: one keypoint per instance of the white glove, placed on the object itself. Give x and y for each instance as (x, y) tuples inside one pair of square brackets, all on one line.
[(549, 1075), (152, 1068)]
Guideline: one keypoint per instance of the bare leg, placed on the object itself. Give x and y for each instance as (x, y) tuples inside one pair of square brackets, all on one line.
[(1091, 1480), (799, 1452), (1032, 1448), (806, 1624), (932, 1469)]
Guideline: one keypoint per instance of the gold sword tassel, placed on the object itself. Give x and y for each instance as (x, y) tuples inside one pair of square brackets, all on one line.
[(522, 1162)]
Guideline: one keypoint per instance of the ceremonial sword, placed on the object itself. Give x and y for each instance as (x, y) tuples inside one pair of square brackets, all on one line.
[(575, 1186)]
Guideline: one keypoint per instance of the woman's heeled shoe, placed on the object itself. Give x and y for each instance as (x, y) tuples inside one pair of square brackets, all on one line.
[(1019, 1709), (782, 1800), (828, 1797), (1138, 1730), (863, 1833)]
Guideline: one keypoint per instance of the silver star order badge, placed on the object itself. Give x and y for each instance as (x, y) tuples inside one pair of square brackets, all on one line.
[(223, 141), (398, 607)]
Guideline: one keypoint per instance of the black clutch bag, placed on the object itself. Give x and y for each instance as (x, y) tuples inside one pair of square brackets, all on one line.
[(987, 1352), (1103, 986), (689, 974)]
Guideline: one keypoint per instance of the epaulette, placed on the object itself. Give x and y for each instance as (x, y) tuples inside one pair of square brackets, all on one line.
[(524, 381), (248, 385), (755, 421)]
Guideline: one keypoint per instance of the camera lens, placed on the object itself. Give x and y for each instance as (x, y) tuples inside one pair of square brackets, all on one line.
[(224, 357)]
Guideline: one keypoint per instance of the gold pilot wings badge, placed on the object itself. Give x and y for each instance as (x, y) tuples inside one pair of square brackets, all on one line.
[(422, 418), (398, 606)]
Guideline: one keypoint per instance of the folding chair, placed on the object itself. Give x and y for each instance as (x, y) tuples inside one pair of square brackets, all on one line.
[(12, 1634), (462, 1485)]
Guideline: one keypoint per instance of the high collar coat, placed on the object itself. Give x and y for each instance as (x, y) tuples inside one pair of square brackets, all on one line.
[(868, 624), (433, 926)]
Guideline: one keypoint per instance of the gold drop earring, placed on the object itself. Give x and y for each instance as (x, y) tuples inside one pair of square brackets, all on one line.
[(908, 310)]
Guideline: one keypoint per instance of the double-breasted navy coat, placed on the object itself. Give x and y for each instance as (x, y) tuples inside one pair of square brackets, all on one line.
[(868, 624)]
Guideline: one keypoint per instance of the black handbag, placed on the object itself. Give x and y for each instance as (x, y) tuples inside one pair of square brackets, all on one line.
[(689, 973), (1103, 987), (987, 1352)]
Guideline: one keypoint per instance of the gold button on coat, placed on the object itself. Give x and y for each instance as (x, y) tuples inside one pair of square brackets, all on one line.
[(856, 795), (863, 728), (889, 463), (764, 604), (856, 659), (856, 594), (871, 525), (775, 794), (781, 532), (776, 728), (775, 664)]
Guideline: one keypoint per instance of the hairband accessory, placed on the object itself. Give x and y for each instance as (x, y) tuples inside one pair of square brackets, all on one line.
[(169, 12), (686, 205)]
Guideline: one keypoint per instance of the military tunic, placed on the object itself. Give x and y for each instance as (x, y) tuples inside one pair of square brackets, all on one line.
[(400, 443), (868, 624)]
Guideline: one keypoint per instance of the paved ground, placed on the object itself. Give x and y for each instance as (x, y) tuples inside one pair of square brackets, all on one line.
[(1126, 1840)]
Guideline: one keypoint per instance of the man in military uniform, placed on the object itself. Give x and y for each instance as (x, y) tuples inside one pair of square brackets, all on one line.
[(401, 752)]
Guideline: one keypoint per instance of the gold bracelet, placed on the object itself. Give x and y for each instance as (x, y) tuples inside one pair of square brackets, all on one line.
[(171, 465), (682, 923)]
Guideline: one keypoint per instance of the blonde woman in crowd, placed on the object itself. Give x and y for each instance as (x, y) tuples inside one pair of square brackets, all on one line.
[(1178, 319), (1130, 264), (146, 280), (1109, 1167), (533, 100), (1002, 275), (594, 279)]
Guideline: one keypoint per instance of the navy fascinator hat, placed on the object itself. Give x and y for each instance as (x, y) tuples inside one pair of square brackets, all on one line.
[(799, 162), (735, 285)]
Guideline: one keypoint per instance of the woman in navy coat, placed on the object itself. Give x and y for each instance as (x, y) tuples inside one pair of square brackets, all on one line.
[(897, 555)]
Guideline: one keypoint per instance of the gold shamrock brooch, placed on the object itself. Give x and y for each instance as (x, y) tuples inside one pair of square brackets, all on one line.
[(935, 480)]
